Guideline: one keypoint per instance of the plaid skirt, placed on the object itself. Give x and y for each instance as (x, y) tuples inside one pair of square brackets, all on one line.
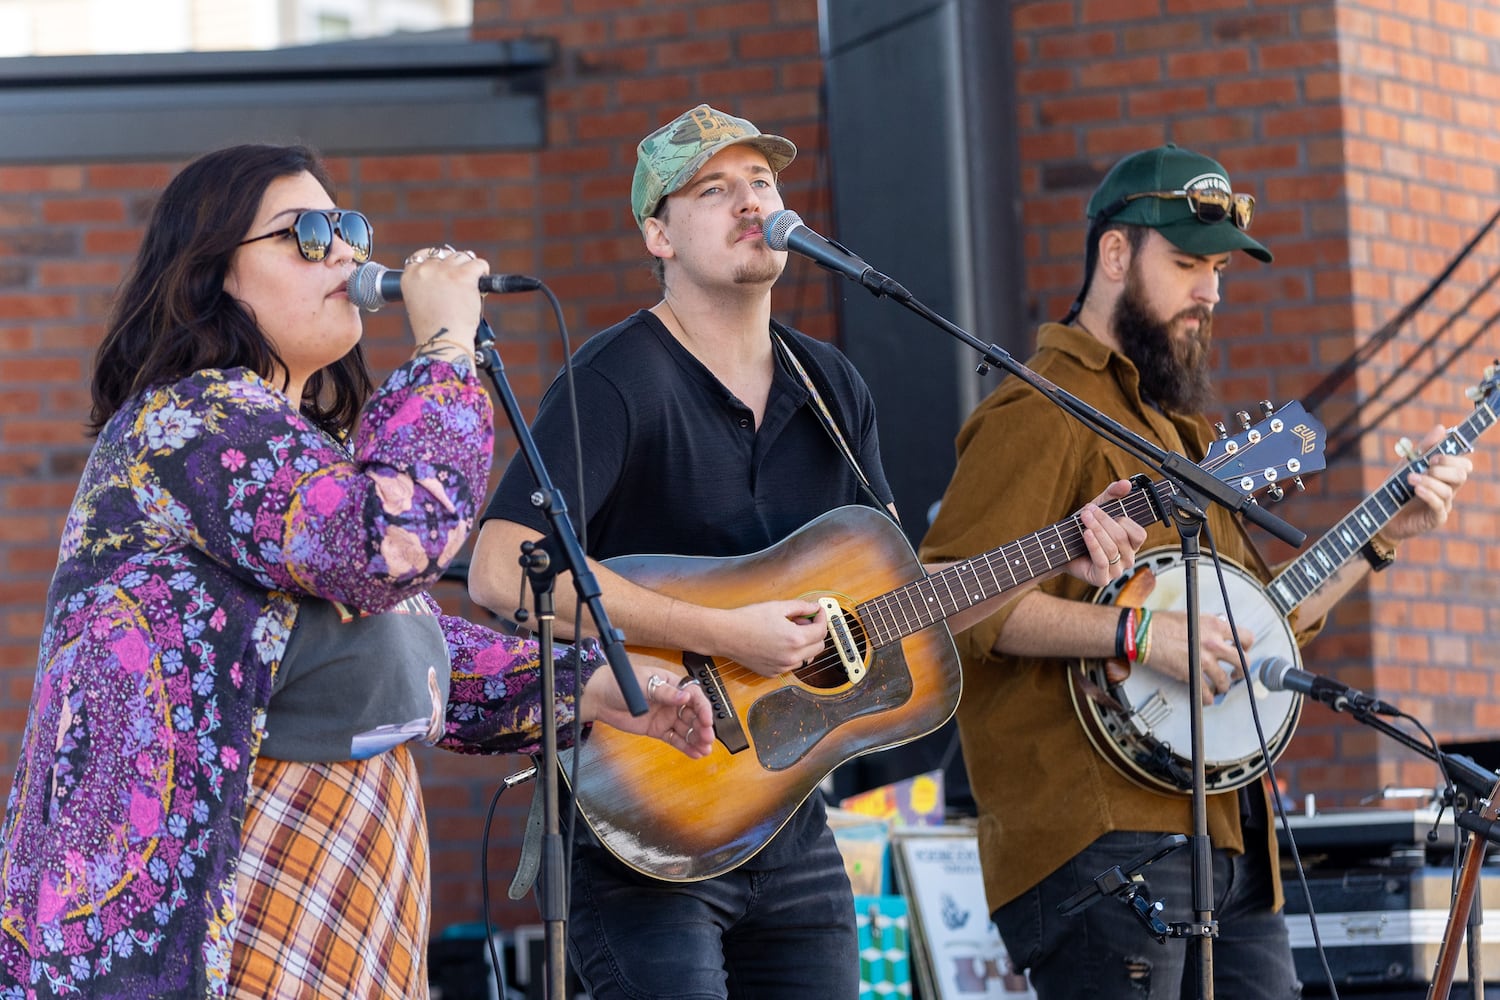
[(333, 882)]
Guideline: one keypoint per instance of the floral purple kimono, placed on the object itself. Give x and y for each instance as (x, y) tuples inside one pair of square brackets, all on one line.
[(207, 510)]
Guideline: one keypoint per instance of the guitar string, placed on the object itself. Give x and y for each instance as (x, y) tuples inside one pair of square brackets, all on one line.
[(827, 669)]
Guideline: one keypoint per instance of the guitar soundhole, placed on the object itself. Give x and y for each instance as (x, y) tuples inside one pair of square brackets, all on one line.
[(827, 671)]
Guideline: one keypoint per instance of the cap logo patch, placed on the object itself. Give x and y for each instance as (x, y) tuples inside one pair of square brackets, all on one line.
[(703, 126), (1208, 182)]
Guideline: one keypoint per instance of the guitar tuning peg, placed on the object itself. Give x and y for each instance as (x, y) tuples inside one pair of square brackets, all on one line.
[(1266, 409), (1275, 492), (1220, 430), (1407, 450), (1244, 418), (1473, 393), (1301, 486)]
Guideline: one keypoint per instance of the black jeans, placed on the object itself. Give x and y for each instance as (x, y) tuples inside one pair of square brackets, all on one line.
[(778, 934), (1105, 952)]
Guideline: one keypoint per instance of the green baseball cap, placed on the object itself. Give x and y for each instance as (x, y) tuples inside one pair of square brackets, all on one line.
[(1187, 198), (669, 157)]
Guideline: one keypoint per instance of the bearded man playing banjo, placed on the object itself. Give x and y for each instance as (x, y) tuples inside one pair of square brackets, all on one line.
[(1164, 224)]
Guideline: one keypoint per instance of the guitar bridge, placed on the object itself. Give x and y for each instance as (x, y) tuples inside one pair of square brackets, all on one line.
[(726, 723), (843, 640)]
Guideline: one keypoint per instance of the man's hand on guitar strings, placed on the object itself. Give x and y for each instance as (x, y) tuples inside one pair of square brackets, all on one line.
[(1112, 542), (677, 711), (772, 637)]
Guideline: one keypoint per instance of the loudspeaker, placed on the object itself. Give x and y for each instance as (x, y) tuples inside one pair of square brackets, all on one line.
[(924, 174)]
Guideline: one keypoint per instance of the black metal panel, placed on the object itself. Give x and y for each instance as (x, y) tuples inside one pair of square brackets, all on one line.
[(345, 99), (924, 181)]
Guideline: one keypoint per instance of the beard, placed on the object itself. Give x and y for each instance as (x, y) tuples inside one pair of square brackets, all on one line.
[(1173, 368), (765, 267)]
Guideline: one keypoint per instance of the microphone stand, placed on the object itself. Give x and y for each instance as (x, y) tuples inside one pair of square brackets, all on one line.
[(1481, 786), (1196, 488), (542, 566)]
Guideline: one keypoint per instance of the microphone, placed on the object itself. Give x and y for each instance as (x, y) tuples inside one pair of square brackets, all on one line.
[(374, 285), (785, 230), (1279, 675)]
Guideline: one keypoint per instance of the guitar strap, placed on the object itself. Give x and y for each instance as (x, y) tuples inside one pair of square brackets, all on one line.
[(830, 425)]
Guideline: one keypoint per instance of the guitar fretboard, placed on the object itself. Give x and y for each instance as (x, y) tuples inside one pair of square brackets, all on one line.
[(940, 595), (1330, 553)]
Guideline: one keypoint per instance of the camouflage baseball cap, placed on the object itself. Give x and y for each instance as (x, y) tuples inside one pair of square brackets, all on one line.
[(1183, 195), (669, 157)]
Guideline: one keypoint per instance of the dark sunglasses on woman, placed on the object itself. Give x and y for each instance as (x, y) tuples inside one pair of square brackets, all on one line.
[(314, 230)]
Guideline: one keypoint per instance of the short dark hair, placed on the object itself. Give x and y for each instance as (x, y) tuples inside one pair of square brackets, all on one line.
[(172, 315)]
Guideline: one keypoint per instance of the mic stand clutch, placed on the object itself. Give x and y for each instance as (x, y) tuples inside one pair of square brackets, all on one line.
[(1126, 882), (1196, 488), (542, 566)]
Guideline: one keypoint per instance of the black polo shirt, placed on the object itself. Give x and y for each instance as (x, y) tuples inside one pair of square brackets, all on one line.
[(673, 462)]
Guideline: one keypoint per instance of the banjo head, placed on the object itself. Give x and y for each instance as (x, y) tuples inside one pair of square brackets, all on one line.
[(1142, 725)]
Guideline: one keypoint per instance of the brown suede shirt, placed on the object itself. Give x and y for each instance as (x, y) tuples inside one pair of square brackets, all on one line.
[(1044, 793)]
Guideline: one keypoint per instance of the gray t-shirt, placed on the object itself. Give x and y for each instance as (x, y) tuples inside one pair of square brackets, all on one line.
[(353, 685)]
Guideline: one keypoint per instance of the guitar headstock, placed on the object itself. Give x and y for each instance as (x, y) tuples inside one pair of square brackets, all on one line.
[(1286, 444)]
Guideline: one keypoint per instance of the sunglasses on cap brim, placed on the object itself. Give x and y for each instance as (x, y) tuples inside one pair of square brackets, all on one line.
[(314, 229), (1209, 206)]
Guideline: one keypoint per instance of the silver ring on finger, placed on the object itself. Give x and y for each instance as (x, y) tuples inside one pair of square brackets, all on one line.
[(1115, 560), (679, 711), (654, 683), (688, 736)]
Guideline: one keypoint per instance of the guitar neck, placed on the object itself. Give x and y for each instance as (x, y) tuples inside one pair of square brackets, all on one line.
[(1329, 554), (938, 596)]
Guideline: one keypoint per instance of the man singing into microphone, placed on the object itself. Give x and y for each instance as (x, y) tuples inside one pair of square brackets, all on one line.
[(709, 429), (1163, 226)]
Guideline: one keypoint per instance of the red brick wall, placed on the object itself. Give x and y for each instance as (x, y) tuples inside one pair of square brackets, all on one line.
[(1366, 132)]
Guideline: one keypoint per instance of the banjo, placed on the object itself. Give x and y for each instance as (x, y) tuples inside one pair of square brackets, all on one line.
[(1140, 723)]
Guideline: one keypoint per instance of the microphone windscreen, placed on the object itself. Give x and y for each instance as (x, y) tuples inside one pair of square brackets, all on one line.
[(364, 286), (779, 226), (1273, 673)]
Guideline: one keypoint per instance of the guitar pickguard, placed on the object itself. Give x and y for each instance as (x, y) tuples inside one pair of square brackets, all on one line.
[(790, 722)]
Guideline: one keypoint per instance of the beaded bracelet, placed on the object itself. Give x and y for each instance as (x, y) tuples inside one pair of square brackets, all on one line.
[(1143, 637)]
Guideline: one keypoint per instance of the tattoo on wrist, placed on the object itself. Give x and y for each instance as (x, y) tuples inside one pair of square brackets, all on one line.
[(431, 341), (449, 350)]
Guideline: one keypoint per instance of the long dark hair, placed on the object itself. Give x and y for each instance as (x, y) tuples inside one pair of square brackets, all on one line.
[(172, 316)]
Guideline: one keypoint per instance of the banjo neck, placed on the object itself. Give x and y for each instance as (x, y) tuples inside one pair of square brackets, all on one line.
[(1325, 557)]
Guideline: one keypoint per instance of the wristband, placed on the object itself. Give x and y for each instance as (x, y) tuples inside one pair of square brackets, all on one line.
[(1143, 637), (1125, 627), (1378, 552)]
